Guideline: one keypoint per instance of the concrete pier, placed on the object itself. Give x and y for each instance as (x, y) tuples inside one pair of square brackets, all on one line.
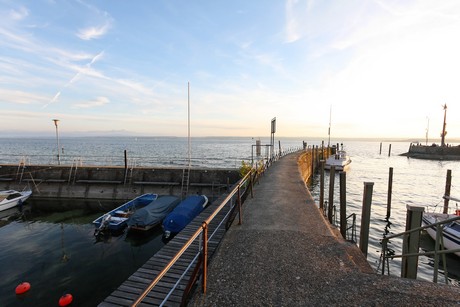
[(111, 182), (286, 254)]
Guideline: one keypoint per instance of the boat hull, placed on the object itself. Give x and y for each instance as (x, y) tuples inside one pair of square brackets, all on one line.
[(450, 233), (116, 219), (12, 198), (433, 152)]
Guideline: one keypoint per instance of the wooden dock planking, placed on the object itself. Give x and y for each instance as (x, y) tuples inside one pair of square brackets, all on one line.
[(130, 290)]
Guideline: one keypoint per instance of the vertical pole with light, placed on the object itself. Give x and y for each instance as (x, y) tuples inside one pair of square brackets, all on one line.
[(57, 140)]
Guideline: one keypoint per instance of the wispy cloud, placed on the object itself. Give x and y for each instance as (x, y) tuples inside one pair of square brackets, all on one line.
[(98, 102), (93, 32), (19, 14)]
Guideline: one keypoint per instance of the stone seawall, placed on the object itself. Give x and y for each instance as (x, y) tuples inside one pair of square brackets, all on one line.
[(91, 182)]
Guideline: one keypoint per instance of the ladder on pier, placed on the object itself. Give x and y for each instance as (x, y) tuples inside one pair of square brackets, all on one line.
[(185, 182)]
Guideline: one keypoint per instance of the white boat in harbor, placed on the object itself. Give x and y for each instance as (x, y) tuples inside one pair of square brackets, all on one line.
[(340, 160), (12, 198), (450, 230)]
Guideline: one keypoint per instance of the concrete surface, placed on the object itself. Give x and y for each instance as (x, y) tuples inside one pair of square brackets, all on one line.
[(286, 254)]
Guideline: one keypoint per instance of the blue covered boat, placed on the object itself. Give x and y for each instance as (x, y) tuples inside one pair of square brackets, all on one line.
[(153, 214), (183, 214), (116, 220)]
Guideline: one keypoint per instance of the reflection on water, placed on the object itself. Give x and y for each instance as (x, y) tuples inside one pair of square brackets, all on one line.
[(56, 252)]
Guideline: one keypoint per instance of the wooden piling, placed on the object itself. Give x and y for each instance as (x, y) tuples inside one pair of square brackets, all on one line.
[(321, 185), (390, 191), (343, 204), (331, 193), (447, 191), (365, 217), (389, 150), (411, 242)]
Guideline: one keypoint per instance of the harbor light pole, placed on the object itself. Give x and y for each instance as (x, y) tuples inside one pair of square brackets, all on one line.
[(57, 140)]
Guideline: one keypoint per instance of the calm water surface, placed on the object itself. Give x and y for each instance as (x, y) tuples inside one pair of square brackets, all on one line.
[(57, 252)]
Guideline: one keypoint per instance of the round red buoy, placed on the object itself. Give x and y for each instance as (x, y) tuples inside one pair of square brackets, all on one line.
[(22, 288), (65, 300)]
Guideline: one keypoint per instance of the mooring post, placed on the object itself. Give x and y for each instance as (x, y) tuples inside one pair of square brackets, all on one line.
[(390, 191), (447, 191), (343, 204), (411, 242), (366, 217), (331, 193), (380, 148), (389, 150), (321, 185), (312, 161)]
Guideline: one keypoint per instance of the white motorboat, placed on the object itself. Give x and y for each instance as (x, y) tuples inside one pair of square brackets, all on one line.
[(450, 230), (340, 160), (12, 198)]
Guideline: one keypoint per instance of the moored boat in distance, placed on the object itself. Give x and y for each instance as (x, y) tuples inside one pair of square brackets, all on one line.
[(183, 214), (12, 198), (435, 152), (339, 159), (153, 214), (116, 220)]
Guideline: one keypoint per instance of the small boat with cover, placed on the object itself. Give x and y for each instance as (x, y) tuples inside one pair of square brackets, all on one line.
[(116, 220), (152, 215), (183, 214), (13, 198), (339, 159)]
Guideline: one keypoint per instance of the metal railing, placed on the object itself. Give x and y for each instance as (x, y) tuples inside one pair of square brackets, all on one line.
[(202, 235), (438, 251), (234, 202)]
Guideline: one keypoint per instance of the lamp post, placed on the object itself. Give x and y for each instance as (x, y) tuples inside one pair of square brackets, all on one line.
[(57, 140)]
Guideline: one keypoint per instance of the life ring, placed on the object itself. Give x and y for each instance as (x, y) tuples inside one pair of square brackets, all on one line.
[(22, 288)]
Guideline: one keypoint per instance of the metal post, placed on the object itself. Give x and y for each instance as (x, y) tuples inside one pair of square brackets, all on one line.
[(390, 191), (447, 191), (413, 220), (57, 141), (366, 217), (240, 212), (331, 193), (205, 256), (321, 185), (343, 204)]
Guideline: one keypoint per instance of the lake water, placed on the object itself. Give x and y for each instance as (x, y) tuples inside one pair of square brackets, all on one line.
[(57, 253)]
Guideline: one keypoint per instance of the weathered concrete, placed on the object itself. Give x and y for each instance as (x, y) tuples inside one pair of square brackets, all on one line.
[(94, 182), (286, 254)]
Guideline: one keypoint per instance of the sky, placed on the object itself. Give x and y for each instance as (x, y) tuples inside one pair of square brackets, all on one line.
[(367, 69)]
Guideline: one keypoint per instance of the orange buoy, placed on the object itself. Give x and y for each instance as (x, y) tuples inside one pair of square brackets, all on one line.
[(22, 288), (65, 300)]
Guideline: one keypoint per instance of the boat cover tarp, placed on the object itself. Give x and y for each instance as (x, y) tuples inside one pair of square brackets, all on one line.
[(154, 212), (184, 213)]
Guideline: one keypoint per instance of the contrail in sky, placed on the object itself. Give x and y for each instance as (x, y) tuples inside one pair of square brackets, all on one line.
[(74, 78)]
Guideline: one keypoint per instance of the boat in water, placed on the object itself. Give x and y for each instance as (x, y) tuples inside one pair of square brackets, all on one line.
[(183, 214), (153, 214), (13, 198), (434, 151), (450, 230), (339, 159), (116, 220)]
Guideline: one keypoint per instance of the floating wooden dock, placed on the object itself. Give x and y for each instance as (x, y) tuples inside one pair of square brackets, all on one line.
[(133, 287)]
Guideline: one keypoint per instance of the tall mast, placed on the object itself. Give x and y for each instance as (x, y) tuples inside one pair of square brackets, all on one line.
[(329, 130), (444, 132), (189, 141)]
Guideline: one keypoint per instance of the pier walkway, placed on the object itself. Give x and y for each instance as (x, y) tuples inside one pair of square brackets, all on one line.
[(286, 254)]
